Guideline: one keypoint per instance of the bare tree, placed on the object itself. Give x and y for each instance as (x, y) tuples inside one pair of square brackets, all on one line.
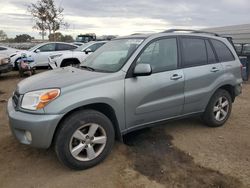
[(47, 16)]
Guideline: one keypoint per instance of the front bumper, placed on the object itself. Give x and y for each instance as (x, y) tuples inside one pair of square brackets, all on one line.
[(52, 64), (41, 127), (6, 68)]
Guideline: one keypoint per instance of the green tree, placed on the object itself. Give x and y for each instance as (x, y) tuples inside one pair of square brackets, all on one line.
[(23, 38), (3, 35), (60, 37), (68, 38), (56, 36)]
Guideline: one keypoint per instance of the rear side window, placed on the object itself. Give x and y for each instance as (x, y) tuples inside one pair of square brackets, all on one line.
[(62, 47), (48, 47), (222, 51), (210, 53), (194, 52)]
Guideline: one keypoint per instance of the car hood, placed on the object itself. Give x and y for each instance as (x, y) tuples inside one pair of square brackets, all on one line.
[(20, 52), (58, 78), (77, 53)]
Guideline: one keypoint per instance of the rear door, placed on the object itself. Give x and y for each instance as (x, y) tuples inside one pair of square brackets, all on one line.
[(160, 95), (229, 61), (202, 71)]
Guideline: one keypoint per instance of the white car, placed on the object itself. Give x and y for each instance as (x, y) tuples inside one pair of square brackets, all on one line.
[(7, 50), (40, 53), (74, 57)]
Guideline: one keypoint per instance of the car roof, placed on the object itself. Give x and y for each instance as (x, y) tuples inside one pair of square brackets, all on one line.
[(57, 43)]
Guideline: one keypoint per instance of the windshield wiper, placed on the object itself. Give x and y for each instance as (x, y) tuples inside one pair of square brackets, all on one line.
[(88, 68)]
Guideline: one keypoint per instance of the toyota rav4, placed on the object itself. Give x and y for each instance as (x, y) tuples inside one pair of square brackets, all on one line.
[(129, 83)]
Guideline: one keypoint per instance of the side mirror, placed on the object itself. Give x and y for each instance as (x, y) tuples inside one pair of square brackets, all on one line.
[(142, 70), (87, 51), (37, 51)]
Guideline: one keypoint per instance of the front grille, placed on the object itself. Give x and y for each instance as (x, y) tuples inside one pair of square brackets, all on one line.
[(16, 98)]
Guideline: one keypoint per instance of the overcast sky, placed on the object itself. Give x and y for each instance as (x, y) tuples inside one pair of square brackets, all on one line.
[(122, 17)]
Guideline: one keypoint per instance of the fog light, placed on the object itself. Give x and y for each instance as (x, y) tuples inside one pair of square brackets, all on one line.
[(28, 136)]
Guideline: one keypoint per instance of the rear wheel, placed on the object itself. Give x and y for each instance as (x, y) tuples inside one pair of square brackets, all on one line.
[(84, 139), (218, 109)]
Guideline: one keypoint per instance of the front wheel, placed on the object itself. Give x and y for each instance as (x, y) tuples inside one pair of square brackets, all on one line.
[(84, 139), (218, 109)]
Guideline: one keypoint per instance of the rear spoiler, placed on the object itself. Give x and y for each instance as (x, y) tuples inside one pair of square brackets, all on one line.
[(230, 40)]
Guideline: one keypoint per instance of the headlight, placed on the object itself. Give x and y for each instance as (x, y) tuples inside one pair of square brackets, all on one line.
[(5, 61), (55, 56), (39, 99)]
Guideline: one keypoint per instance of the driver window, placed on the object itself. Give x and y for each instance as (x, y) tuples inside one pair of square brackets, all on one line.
[(161, 55), (48, 48)]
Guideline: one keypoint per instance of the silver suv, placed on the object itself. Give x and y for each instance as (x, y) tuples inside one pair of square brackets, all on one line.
[(127, 84)]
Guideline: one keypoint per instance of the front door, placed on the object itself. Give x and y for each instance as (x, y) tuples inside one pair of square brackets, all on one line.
[(41, 57), (160, 95)]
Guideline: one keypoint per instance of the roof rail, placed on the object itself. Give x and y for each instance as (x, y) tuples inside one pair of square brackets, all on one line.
[(137, 34), (190, 30)]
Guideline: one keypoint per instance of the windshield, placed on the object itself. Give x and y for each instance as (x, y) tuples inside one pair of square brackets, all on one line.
[(82, 47), (113, 55), (33, 48)]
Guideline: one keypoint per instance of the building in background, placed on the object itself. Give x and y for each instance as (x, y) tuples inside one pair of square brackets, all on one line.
[(239, 33)]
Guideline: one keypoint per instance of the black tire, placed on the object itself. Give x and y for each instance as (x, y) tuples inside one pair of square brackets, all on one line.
[(33, 71), (209, 114), (21, 73), (16, 67), (73, 123)]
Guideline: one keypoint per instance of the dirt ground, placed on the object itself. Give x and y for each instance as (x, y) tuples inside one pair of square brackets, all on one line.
[(183, 153)]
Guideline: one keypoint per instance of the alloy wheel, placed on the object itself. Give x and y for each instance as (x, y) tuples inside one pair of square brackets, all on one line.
[(221, 108), (88, 142)]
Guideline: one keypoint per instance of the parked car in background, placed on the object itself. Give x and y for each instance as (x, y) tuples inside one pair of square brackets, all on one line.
[(8, 51), (246, 49), (129, 83), (85, 38), (40, 53), (74, 57), (238, 48), (5, 65), (242, 49)]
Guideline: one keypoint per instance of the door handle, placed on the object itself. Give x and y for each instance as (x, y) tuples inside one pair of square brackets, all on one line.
[(214, 69), (176, 77)]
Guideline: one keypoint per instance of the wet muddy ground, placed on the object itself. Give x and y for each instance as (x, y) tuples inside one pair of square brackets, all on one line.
[(183, 153)]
